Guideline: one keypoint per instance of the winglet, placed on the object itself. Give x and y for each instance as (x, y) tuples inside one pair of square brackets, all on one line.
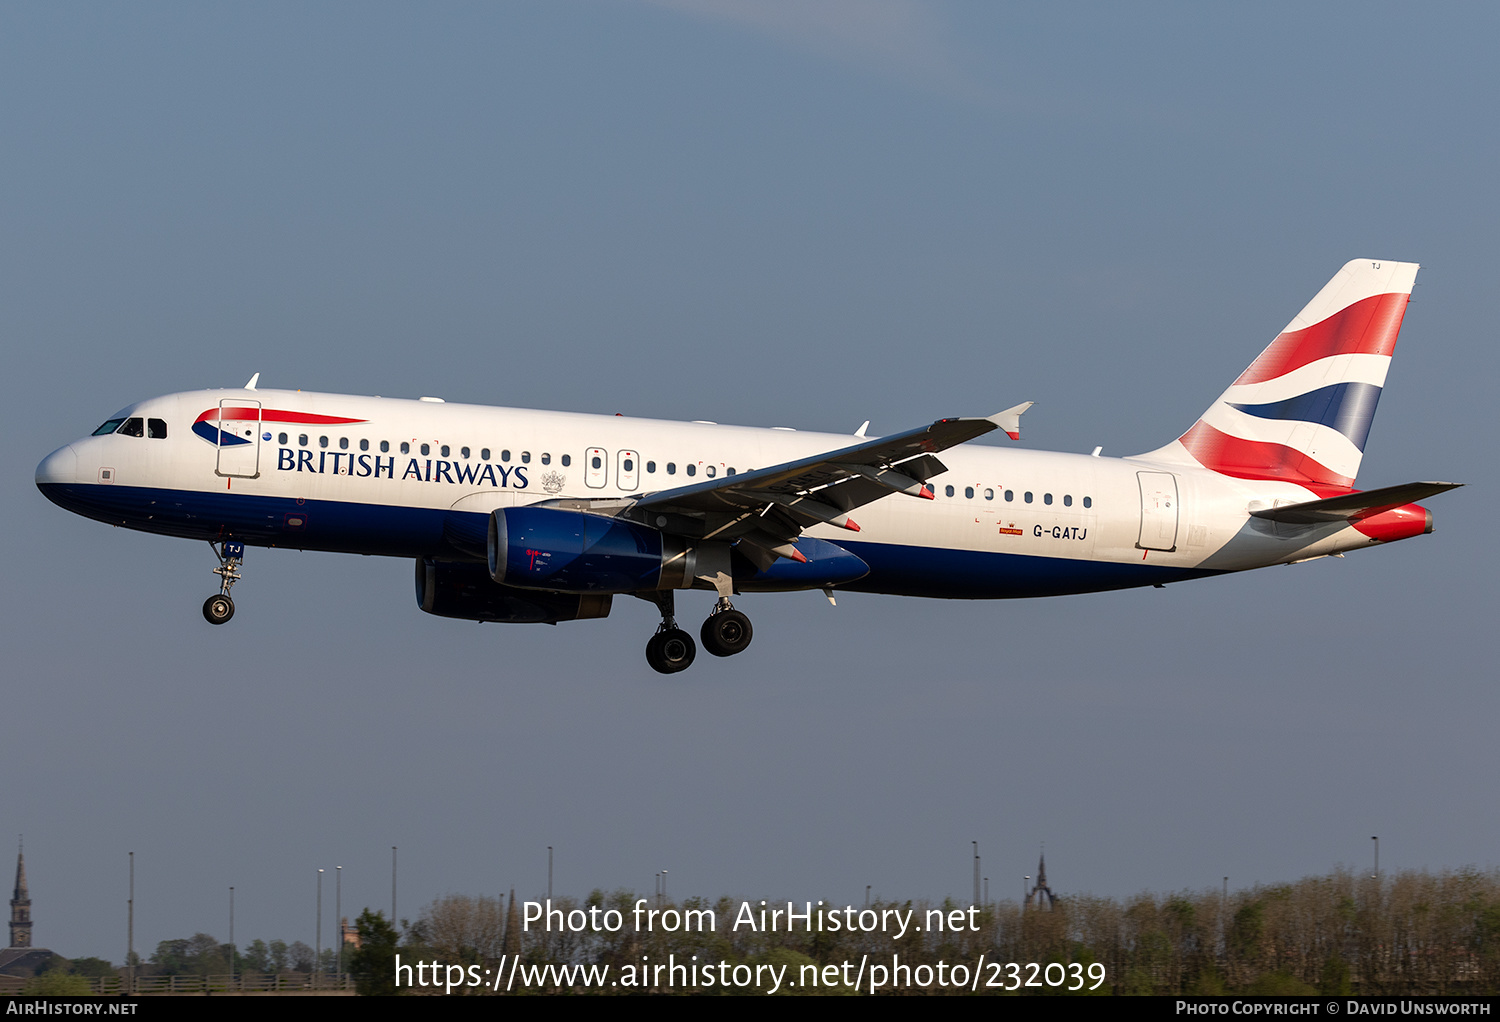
[(253, 381), (1010, 419)]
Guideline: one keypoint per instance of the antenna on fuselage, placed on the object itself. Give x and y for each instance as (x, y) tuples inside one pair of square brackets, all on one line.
[(253, 381)]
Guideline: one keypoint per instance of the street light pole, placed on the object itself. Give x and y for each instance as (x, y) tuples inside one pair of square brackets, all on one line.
[(976, 874), (130, 928), (338, 912), (318, 938)]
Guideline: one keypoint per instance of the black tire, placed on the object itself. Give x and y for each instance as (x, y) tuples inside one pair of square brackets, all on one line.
[(218, 609), (726, 633), (670, 651)]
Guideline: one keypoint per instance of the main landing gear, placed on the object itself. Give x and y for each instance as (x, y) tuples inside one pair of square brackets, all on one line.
[(725, 633), (219, 607), (670, 649)]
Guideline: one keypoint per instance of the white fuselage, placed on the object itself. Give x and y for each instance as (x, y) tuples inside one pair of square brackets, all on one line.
[(392, 476)]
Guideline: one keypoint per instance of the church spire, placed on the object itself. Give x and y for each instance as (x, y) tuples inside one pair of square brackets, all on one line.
[(1041, 895), (20, 904)]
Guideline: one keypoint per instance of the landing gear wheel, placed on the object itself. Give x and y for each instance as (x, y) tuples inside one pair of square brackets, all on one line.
[(217, 609), (670, 650), (726, 632)]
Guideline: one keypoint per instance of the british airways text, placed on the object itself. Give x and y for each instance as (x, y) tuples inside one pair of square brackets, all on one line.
[(423, 470)]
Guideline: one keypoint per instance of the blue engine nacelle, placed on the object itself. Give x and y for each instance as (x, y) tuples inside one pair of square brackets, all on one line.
[(465, 590), (566, 551), (578, 552)]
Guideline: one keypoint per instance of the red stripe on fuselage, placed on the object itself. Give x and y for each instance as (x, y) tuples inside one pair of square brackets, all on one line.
[(1368, 327), (273, 415), (1255, 459)]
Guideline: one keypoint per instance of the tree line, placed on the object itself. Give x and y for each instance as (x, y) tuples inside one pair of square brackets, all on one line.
[(1412, 932)]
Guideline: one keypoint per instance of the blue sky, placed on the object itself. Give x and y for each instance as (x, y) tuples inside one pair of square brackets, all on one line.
[(773, 214)]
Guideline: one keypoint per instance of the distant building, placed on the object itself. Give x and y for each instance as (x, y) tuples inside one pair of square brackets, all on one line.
[(21, 959), (1041, 895), (20, 906)]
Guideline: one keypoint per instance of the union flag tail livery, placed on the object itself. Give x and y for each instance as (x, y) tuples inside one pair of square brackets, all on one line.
[(518, 516), (1302, 411)]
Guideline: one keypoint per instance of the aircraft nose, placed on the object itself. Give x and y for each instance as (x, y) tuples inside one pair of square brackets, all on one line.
[(61, 466)]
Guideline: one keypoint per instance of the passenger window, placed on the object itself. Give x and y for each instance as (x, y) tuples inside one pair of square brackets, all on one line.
[(1028, 496), (651, 467), (692, 470), (443, 448), (948, 491), (729, 471), (1010, 494), (710, 470), (969, 492), (322, 441), (484, 454), (546, 459), (505, 456), (567, 459), (302, 440), (281, 438), (343, 443), (671, 468), (596, 462), (463, 452), (405, 447), (1046, 498), (385, 446), (1088, 501), (1067, 500), (156, 429), (989, 494), (629, 465), (526, 457), (108, 428), (426, 448)]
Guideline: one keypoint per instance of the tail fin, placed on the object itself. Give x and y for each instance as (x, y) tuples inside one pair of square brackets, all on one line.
[(1302, 410)]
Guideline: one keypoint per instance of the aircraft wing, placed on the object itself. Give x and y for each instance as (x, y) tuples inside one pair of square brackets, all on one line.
[(766, 509)]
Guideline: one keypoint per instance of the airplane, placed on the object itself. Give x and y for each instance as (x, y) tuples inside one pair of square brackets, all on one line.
[(521, 516)]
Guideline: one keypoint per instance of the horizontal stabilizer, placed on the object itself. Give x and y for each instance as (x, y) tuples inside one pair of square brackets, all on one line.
[(1010, 419), (1353, 506)]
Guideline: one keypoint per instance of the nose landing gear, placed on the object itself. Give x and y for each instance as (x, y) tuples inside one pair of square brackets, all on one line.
[(219, 608)]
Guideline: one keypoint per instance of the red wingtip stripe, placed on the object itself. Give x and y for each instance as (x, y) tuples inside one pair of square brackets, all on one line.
[(926, 493), (851, 525), (1368, 327), (1013, 435), (799, 556)]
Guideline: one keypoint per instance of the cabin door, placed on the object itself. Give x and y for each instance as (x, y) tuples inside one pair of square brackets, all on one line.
[(1158, 511), (239, 426)]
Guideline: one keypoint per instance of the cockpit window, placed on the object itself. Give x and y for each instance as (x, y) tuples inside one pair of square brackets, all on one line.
[(134, 426), (108, 427), (156, 429)]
